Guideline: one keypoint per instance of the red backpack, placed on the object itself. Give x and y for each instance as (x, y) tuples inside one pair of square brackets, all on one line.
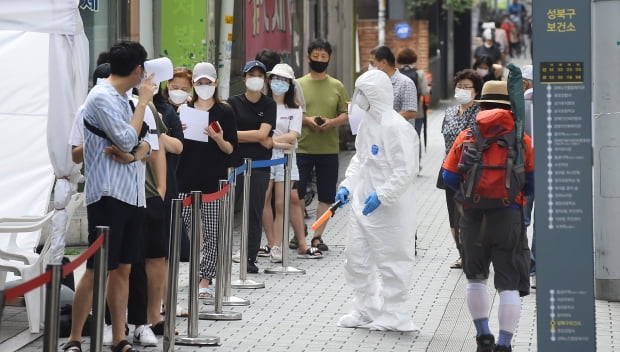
[(491, 179)]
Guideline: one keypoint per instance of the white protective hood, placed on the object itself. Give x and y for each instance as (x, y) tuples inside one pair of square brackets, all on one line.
[(44, 55), (391, 171)]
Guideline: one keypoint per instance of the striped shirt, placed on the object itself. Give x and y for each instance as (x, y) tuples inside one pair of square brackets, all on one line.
[(405, 93), (109, 111)]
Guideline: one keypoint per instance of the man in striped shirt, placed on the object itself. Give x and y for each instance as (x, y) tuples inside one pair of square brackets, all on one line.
[(115, 193)]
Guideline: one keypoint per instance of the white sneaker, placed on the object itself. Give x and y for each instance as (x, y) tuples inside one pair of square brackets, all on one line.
[(237, 257), (144, 336), (107, 335), (276, 254)]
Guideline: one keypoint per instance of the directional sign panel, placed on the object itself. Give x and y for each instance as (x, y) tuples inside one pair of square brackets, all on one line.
[(563, 153)]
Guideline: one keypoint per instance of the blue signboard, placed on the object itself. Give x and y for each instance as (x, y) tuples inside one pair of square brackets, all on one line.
[(563, 153), (402, 30), (92, 5)]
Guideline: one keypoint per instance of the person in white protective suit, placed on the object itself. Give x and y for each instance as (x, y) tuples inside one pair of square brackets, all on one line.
[(381, 235)]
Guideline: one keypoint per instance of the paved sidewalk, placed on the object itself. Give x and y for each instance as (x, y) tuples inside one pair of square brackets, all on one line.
[(300, 312)]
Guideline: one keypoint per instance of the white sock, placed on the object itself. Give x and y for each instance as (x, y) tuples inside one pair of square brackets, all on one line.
[(478, 300), (509, 310)]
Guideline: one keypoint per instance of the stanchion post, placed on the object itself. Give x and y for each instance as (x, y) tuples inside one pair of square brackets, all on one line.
[(285, 268), (243, 281), (194, 278), (173, 274), (245, 218), (229, 299), (1, 306), (99, 288), (222, 270), (52, 308)]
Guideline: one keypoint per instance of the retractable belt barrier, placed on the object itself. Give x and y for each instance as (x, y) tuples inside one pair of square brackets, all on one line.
[(53, 277)]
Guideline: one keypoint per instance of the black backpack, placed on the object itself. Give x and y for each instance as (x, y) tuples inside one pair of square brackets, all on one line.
[(412, 73)]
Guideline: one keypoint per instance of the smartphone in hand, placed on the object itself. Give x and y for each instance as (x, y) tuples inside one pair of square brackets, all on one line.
[(319, 120), (216, 126)]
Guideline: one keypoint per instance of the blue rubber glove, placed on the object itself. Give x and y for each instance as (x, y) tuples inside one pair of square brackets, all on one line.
[(372, 202), (342, 196)]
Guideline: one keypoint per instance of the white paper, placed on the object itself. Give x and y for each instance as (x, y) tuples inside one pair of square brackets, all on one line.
[(196, 121), (355, 117), (162, 68)]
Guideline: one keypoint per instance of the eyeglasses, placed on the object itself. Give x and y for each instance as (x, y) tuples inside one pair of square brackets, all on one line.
[(464, 87)]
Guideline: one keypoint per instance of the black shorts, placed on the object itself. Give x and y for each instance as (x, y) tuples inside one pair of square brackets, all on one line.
[(496, 236), (325, 167), (156, 236), (126, 222)]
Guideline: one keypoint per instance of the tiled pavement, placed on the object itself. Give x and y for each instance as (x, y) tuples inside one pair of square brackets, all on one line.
[(299, 312)]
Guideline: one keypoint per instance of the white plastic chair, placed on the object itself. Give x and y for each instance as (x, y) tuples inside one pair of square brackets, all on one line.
[(25, 262), (15, 226), (34, 298)]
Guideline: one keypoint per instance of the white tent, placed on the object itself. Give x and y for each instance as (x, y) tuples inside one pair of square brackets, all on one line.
[(44, 70)]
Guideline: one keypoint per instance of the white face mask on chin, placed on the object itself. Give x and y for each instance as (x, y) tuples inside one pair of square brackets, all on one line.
[(255, 84)]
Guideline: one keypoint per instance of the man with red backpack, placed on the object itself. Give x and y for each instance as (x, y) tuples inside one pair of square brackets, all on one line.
[(491, 173)]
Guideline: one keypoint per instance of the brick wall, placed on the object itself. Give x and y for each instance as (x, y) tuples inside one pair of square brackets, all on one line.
[(418, 41)]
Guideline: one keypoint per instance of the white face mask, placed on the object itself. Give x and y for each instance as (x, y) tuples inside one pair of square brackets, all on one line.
[(482, 72), (178, 96), (371, 67), (463, 96), (205, 92), (255, 84)]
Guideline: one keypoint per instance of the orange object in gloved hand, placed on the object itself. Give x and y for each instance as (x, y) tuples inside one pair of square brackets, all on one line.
[(326, 215)]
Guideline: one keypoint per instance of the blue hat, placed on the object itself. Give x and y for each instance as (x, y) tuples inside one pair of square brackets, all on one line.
[(251, 64)]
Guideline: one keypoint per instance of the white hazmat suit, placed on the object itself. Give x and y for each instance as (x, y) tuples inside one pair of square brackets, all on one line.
[(380, 246)]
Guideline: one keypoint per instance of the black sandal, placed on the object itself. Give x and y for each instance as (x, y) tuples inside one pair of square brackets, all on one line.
[(293, 243), (311, 253), (318, 243), (264, 251), (72, 346), (121, 345)]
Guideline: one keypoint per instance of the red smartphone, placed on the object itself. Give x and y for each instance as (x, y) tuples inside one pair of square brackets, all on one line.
[(216, 126)]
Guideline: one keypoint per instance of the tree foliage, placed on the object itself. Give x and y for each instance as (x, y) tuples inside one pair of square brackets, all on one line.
[(417, 6)]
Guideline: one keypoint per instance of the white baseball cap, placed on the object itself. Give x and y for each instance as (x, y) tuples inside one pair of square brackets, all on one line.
[(204, 70), (282, 70)]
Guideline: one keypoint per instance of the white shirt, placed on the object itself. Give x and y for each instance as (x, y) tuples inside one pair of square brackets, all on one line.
[(288, 120)]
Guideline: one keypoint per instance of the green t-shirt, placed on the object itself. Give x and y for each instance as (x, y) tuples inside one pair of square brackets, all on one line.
[(326, 98), (150, 183)]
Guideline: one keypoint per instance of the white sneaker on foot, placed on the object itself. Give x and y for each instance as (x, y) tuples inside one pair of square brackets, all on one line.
[(144, 336), (276, 254), (107, 335), (237, 257)]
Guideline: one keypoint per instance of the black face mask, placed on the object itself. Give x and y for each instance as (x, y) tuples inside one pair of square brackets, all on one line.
[(318, 66)]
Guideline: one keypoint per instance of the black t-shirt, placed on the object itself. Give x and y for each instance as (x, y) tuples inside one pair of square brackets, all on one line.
[(175, 130), (249, 116), (492, 52), (203, 164)]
